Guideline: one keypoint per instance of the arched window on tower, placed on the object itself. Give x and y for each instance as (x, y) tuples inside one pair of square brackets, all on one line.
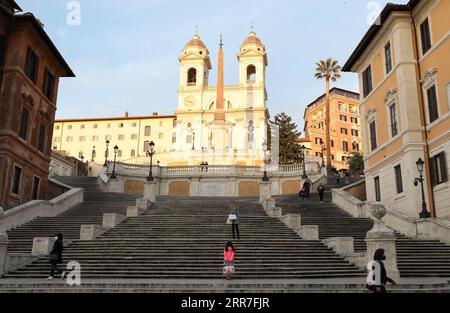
[(251, 73), (192, 77)]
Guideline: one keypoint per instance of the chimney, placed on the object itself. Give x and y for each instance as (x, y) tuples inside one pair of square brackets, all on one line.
[(126, 114), (155, 113)]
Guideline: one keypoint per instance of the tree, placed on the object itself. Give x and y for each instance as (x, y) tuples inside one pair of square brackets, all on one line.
[(356, 163), (289, 149), (330, 70)]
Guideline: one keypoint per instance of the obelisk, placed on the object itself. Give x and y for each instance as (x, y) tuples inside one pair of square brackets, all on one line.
[(219, 115)]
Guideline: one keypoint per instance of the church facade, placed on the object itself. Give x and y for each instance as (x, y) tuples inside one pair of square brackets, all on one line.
[(221, 125)]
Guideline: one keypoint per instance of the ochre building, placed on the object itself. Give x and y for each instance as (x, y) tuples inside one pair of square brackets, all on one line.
[(30, 69), (404, 75), (345, 126)]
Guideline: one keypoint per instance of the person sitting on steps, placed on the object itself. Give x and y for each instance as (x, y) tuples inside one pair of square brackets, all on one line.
[(228, 257)]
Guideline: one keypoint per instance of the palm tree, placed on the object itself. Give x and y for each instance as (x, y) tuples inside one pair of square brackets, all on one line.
[(328, 69)]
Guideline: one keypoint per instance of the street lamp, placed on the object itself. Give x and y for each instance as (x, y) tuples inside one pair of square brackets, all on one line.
[(322, 145), (116, 150), (106, 153), (193, 140), (150, 153), (420, 167), (302, 154)]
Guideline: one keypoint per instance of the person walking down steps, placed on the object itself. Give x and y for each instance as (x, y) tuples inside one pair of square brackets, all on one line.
[(321, 191), (233, 219), (228, 258), (55, 257)]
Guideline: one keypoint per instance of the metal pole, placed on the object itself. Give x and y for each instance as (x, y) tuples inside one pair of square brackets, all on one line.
[(113, 176), (424, 213)]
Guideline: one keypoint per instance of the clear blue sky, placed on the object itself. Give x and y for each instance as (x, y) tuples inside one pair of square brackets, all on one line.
[(125, 52)]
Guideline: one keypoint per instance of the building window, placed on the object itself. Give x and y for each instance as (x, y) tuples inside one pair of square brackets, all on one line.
[(146, 146), (438, 166), (121, 137), (24, 124), (318, 140), (388, 57), (82, 138), (174, 138), (394, 123), (95, 126), (57, 127), (69, 127), (49, 85), (133, 124), (36, 183), (160, 123), (342, 107), (95, 138), (120, 125), (425, 36), (355, 133), (133, 153), (251, 73), (133, 136), (354, 120), (41, 142), (367, 81), (332, 157), (377, 189), (160, 136), (352, 109), (432, 104), (344, 131), (17, 177), (119, 153), (332, 143), (398, 178), (32, 65), (373, 135), (192, 77), (343, 118), (57, 139), (345, 146), (355, 146), (108, 137), (174, 124), (69, 138), (108, 126), (148, 131), (82, 126)]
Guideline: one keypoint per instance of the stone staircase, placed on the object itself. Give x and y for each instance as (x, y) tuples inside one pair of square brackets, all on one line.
[(416, 258), (183, 238), (90, 211)]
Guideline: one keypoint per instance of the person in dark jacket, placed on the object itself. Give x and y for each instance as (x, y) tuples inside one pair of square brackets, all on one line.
[(307, 188), (234, 210), (56, 257), (321, 191), (379, 257)]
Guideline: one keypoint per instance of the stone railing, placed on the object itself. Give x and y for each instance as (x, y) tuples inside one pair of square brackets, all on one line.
[(40, 208), (210, 170), (434, 229)]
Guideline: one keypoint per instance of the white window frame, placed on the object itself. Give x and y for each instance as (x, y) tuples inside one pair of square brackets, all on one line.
[(430, 79)]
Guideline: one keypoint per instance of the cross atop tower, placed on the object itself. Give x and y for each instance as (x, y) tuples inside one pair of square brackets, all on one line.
[(221, 41)]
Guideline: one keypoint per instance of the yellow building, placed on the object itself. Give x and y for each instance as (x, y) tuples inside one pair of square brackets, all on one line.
[(87, 137), (221, 125), (345, 126), (404, 74)]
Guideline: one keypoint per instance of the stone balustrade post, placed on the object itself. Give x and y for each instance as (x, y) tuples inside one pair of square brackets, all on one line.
[(111, 220), (382, 237), (3, 252), (150, 191), (42, 246), (90, 232), (265, 191)]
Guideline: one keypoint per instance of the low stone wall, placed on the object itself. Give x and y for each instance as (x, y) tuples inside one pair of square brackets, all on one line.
[(55, 189), (40, 208), (434, 229), (357, 190)]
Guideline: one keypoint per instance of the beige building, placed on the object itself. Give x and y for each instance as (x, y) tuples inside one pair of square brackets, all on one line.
[(404, 74), (230, 131), (345, 126)]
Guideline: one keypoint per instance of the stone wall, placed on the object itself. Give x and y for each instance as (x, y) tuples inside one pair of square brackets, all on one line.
[(135, 187), (248, 189), (290, 187), (179, 188)]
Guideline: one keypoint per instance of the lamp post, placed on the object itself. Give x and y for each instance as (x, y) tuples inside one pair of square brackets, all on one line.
[(302, 154), (322, 145), (106, 153), (193, 140), (150, 153), (116, 150), (266, 161), (82, 165), (420, 167)]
